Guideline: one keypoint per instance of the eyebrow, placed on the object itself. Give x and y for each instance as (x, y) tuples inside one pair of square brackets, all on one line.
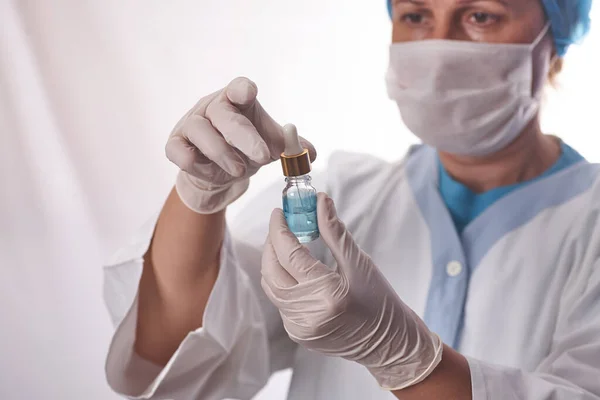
[(458, 2), (416, 2), (461, 2)]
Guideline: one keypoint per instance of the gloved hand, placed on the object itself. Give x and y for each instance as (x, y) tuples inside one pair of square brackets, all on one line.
[(220, 143), (350, 311)]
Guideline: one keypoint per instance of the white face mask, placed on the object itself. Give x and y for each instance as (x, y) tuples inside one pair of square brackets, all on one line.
[(468, 98)]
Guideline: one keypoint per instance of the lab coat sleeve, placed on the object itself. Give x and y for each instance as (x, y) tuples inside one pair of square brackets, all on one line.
[(572, 369), (242, 340)]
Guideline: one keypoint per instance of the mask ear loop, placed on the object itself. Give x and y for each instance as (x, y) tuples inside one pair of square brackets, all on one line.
[(533, 48), (541, 35)]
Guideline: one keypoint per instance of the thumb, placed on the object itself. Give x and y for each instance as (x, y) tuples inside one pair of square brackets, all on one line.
[(292, 256), (312, 152), (335, 235), (241, 92)]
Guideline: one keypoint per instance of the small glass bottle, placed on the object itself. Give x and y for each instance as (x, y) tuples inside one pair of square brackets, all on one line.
[(300, 208), (299, 196)]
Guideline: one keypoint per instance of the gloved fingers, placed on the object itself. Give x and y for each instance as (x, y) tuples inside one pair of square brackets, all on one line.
[(200, 132), (322, 296), (238, 130), (312, 152), (183, 154), (299, 309), (268, 129), (226, 113), (335, 235), (189, 159), (241, 92), (271, 269), (309, 310), (269, 292), (273, 136), (198, 109), (293, 257), (272, 132)]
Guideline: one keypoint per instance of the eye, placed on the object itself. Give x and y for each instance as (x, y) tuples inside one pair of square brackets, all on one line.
[(412, 18), (482, 18)]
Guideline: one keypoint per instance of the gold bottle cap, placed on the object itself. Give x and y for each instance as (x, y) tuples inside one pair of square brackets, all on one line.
[(295, 160), (297, 165)]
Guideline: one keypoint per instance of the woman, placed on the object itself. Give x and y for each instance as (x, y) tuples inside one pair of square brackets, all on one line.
[(468, 270)]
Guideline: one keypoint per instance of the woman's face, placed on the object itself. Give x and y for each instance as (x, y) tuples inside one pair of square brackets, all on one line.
[(493, 21)]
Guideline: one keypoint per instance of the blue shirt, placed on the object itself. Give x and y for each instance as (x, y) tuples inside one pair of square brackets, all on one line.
[(465, 205)]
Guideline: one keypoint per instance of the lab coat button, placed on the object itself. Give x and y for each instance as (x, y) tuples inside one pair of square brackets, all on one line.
[(454, 268)]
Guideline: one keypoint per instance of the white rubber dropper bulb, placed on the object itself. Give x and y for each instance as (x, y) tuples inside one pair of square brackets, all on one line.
[(291, 141)]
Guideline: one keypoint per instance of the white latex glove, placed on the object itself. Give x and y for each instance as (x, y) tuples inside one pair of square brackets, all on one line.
[(349, 311), (220, 143)]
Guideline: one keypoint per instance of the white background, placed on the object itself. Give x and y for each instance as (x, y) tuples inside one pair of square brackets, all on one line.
[(89, 91)]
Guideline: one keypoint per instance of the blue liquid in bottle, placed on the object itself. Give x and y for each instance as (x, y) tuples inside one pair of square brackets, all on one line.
[(300, 208)]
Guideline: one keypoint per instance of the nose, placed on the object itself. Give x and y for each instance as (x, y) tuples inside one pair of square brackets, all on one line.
[(448, 30)]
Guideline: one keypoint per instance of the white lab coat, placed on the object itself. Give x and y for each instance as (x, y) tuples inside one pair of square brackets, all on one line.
[(518, 292)]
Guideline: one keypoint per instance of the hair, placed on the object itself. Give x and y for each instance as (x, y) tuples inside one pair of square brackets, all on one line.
[(556, 67)]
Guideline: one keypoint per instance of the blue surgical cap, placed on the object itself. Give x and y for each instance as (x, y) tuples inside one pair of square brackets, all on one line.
[(569, 20)]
